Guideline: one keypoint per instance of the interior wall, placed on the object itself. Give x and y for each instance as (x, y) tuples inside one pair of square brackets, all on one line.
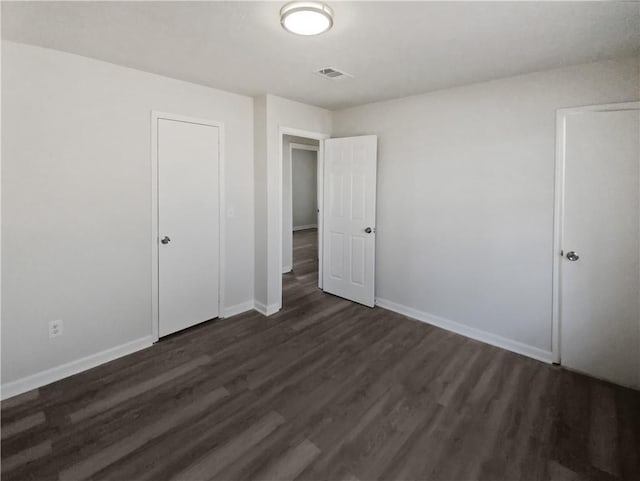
[(280, 114), (466, 196), (287, 208), (260, 198), (76, 202), (304, 188)]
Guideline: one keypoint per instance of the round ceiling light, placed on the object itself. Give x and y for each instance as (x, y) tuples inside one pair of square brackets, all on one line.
[(306, 18)]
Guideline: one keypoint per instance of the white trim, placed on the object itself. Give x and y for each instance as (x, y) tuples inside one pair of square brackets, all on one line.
[(43, 378), (313, 148), (155, 116), (305, 227), (238, 309), (264, 309), (558, 209), (467, 331), (287, 268), (320, 218), (319, 136), (631, 105)]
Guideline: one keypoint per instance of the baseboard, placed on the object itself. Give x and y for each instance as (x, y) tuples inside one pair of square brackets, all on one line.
[(304, 227), (472, 332), (266, 310), (287, 269), (238, 309), (43, 378)]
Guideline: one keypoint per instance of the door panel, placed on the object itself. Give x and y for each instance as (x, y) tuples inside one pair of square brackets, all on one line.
[(188, 214), (600, 291), (350, 191), (337, 255), (358, 260)]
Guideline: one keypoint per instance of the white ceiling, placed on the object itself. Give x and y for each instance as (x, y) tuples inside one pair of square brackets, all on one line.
[(393, 49)]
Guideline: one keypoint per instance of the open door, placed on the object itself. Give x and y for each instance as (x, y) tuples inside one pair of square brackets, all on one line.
[(599, 250), (349, 221)]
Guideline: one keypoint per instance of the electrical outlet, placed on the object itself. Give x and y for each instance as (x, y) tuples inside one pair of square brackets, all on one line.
[(55, 328)]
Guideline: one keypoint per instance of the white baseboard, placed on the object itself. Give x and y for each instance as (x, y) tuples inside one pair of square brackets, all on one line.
[(43, 378), (472, 332), (266, 310), (303, 227), (238, 309), (286, 269)]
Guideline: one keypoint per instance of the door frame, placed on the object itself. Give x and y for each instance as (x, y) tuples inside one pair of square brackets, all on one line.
[(155, 238), (558, 209), (320, 137), (313, 148)]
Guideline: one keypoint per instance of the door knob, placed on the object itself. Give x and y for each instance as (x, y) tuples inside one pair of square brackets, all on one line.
[(573, 256), (165, 240), (368, 230)]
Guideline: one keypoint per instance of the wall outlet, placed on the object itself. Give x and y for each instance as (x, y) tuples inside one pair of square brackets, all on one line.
[(55, 328)]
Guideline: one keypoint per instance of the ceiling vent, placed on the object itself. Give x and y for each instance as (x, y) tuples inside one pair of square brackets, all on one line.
[(333, 73)]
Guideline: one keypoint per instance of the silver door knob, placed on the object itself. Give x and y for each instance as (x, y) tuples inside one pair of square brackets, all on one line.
[(165, 240), (573, 256), (368, 230)]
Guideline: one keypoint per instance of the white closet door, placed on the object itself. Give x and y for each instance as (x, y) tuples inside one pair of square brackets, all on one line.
[(600, 270), (188, 224)]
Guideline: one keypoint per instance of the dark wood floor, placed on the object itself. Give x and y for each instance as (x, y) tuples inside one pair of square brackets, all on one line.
[(324, 390)]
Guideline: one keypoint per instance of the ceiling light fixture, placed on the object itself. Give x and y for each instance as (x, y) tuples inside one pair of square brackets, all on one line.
[(306, 18)]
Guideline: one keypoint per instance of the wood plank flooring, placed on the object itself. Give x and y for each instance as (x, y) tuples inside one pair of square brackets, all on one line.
[(323, 390)]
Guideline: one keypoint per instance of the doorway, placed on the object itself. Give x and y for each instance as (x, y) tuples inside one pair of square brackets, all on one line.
[(300, 246), (597, 246)]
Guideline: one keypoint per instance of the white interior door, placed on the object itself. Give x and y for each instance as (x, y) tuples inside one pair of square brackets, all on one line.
[(188, 224), (350, 218), (600, 268)]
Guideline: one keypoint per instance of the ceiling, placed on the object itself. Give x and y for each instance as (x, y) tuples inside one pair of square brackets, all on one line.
[(393, 49)]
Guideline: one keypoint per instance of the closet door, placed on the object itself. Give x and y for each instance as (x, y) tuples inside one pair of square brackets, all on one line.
[(188, 224), (600, 264)]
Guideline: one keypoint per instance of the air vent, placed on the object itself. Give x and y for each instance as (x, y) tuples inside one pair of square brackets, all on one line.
[(333, 73)]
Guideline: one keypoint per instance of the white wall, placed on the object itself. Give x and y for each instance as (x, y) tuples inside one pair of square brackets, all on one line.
[(465, 197), (304, 187), (466, 192), (260, 199), (287, 212), (279, 114), (76, 201)]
